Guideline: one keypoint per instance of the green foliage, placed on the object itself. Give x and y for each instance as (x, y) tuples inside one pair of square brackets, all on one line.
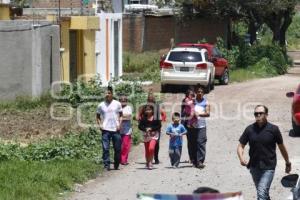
[(93, 91), (293, 34), (263, 68), (85, 145), (25, 103), (147, 64), (230, 54), (257, 61), (20, 3), (251, 55), (43, 180), (136, 135), (82, 91), (241, 75)]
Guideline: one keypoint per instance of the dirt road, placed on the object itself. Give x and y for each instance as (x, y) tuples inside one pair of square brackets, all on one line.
[(232, 111)]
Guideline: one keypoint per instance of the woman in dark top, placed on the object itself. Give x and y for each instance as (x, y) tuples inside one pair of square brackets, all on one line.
[(159, 114), (150, 126)]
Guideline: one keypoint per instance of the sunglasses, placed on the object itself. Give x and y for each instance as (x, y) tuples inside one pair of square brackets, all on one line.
[(258, 113)]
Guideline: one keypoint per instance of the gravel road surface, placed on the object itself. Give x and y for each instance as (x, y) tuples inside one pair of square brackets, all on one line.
[(232, 111)]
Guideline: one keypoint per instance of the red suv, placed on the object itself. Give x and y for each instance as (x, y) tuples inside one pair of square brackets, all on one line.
[(295, 110), (215, 56)]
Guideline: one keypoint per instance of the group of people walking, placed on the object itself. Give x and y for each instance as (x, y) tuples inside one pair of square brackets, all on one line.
[(114, 119)]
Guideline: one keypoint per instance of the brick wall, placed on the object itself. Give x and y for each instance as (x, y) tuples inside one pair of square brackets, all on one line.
[(203, 28), (143, 33), (54, 3), (133, 29), (158, 32)]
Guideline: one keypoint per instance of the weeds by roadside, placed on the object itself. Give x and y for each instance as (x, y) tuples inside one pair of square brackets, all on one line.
[(144, 66), (24, 103), (55, 164), (43, 180)]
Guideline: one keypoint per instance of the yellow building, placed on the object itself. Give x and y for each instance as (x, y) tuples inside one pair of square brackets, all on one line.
[(78, 46), (91, 45), (4, 11)]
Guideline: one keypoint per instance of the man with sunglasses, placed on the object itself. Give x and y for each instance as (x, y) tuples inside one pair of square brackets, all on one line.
[(262, 137)]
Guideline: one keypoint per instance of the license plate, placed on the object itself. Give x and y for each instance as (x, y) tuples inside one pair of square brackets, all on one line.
[(184, 69)]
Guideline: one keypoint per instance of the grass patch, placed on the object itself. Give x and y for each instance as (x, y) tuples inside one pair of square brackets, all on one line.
[(85, 145), (241, 75), (25, 103), (139, 62), (43, 180), (143, 66), (261, 69)]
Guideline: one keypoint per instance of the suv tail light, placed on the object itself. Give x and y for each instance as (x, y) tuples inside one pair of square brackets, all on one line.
[(201, 66), (166, 65)]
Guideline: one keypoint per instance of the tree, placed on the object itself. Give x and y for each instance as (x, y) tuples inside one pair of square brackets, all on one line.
[(276, 14), (278, 18)]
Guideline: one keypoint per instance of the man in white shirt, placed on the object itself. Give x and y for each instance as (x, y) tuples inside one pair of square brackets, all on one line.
[(109, 116)]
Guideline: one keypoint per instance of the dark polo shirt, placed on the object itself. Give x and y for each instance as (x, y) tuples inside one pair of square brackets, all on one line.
[(262, 142)]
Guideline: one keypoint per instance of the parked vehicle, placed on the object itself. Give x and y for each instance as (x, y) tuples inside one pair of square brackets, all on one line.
[(216, 57), (187, 66), (292, 181), (295, 109)]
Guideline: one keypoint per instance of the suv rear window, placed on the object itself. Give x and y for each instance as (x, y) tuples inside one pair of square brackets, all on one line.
[(185, 56)]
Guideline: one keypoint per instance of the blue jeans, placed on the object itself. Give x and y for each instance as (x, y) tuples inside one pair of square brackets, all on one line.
[(262, 180), (175, 154), (107, 136)]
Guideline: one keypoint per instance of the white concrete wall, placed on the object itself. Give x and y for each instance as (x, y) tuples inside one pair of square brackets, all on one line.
[(105, 46)]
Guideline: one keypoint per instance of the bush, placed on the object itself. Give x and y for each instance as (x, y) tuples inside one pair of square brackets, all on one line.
[(250, 55), (85, 145), (82, 91), (263, 68), (230, 54), (139, 62), (293, 34), (145, 66)]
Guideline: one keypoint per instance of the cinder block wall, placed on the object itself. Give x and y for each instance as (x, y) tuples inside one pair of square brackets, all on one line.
[(144, 33), (25, 58), (202, 28), (133, 32), (54, 3), (158, 32)]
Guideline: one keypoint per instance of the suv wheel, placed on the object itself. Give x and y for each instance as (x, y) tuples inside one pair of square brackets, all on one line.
[(224, 80), (296, 128), (212, 85), (163, 88)]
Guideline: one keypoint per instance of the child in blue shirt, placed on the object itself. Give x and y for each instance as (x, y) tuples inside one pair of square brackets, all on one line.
[(175, 130)]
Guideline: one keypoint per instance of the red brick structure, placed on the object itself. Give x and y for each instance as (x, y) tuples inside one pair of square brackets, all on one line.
[(54, 3), (133, 30), (149, 32)]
